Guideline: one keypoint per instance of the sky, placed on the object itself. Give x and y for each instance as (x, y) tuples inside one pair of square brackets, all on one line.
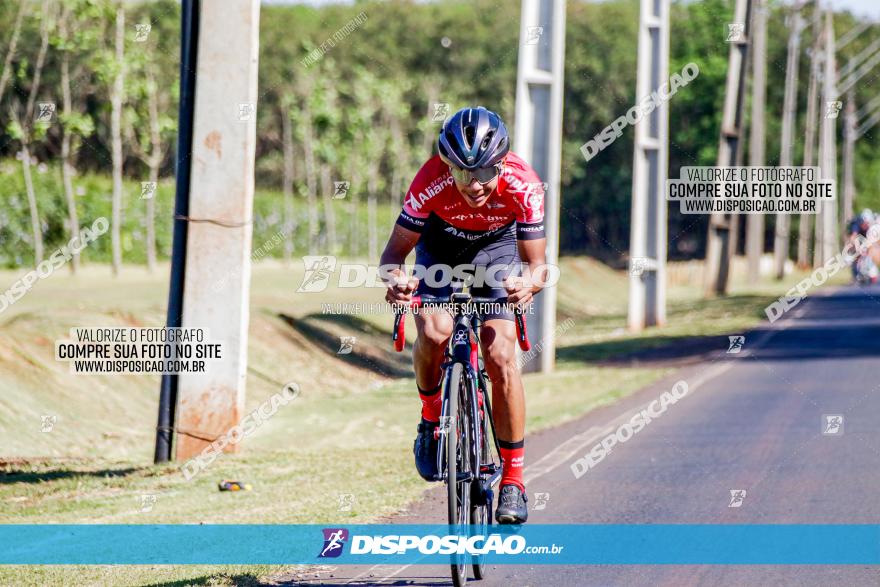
[(869, 8), (864, 8)]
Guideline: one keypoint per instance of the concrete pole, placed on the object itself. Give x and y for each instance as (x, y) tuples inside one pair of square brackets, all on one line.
[(806, 220), (829, 241), (718, 251), (757, 136), (789, 112), (647, 275), (538, 138), (220, 213)]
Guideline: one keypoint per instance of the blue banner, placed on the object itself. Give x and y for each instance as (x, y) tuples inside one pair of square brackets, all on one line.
[(557, 544)]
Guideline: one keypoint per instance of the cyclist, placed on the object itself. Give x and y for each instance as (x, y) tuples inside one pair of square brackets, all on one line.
[(480, 204), (859, 226)]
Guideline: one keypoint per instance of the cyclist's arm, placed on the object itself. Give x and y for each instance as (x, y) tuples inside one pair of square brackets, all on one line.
[(521, 289), (400, 244)]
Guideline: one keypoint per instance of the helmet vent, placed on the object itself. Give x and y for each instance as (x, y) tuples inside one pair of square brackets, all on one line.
[(488, 140), (469, 132)]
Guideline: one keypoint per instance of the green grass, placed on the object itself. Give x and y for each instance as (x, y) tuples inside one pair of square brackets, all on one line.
[(95, 464)]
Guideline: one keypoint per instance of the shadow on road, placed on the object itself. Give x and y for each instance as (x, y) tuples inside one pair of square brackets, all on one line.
[(236, 580), (370, 581), (841, 326)]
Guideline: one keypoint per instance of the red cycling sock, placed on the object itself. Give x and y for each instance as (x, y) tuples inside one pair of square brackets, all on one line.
[(432, 403), (512, 454)]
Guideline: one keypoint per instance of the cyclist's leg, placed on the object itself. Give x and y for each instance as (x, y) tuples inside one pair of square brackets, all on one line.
[(509, 412), (498, 337), (433, 327), (498, 342)]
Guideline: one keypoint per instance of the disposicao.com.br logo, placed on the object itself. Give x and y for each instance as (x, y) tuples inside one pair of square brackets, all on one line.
[(440, 544)]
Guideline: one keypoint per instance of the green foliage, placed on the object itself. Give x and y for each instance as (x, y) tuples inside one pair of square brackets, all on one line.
[(364, 94), (93, 201)]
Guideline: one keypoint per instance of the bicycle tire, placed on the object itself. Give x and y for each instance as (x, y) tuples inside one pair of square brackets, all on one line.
[(481, 515), (457, 457)]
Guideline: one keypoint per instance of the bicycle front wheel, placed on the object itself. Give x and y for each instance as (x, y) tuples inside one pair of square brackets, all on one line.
[(458, 447)]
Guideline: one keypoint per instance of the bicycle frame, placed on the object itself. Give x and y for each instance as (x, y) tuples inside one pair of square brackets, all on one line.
[(464, 392), (467, 322), (461, 350)]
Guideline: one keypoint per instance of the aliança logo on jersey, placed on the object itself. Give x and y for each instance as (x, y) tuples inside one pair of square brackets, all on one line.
[(434, 188), (463, 234)]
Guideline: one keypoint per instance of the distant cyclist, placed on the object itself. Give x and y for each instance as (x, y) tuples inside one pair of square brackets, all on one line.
[(864, 267), (475, 203)]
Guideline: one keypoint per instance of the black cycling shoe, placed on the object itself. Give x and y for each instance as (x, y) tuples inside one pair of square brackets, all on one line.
[(512, 505), (425, 449)]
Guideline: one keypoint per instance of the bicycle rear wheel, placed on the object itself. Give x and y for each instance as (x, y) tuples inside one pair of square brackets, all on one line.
[(458, 465)]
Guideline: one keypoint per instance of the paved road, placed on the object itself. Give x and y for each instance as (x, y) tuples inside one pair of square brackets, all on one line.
[(751, 421)]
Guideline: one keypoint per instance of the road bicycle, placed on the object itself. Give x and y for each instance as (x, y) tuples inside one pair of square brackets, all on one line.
[(465, 460)]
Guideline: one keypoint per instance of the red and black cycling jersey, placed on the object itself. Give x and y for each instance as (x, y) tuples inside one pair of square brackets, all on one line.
[(519, 197)]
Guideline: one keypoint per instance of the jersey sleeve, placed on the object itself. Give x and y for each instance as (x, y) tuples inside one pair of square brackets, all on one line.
[(529, 197), (416, 207)]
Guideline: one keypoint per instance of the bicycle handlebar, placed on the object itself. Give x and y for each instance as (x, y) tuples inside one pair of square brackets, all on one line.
[(398, 335)]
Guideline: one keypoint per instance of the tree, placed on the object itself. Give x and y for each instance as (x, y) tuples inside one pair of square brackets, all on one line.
[(26, 130), (13, 46), (327, 122), (288, 176), (116, 101), (302, 119), (75, 37), (146, 125)]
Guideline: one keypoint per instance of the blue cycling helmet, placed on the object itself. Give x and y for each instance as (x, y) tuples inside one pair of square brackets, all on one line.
[(473, 138)]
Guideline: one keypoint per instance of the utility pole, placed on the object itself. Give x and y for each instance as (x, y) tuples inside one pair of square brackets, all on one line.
[(211, 404), (647, 249), (538, 136), (718, 250), (806, 221), (789, 112), (757, 136), (856, 68), (828, 146), (189, 37)]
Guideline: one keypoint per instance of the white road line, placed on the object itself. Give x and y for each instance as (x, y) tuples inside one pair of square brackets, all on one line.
[(374, 567)]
